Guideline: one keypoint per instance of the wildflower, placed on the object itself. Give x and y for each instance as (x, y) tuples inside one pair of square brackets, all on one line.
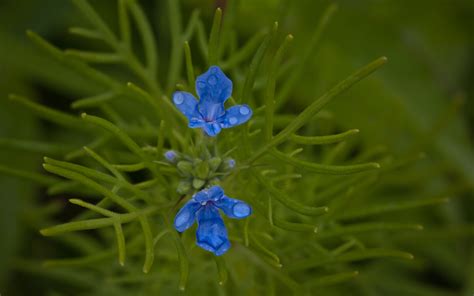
[(209, 113), (170, 155), (231, 163), (204, 206)]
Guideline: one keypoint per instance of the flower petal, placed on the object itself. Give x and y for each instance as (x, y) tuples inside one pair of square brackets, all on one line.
[(210, 111), (215, 192), (186, 216), (212, 128), (213, 86), (186, 103), (235, 115), (211, 234), (234, 208)]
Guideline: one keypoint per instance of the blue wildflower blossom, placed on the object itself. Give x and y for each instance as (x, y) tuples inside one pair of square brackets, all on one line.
[(170, 155), (209, 113), (231, 163), (204, 206)]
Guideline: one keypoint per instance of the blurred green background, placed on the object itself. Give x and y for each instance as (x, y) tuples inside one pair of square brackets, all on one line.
[(430, 47)]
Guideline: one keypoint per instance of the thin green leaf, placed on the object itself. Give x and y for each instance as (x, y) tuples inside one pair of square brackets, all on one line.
[(50, 114), (27, 175), (221, 269), (269, 97), (390, 207), (288, 201), (124, 23), (310, 47), (214, 38), (348, 257), (323, 168), (189, 66), (255, 64), (176, 29), (85, 70), (322, 140), (332, 279), (94, 57), (94, 101), (86, 33), (316, 106), (366, 227), (245, 52), (147, 36), (96, 20), (93, 207), (34, 146)]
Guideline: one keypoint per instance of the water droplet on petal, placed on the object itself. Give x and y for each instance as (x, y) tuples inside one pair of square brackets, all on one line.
[(212, 80), (178, 99), (241, 210), (233, 120), (244, 110)]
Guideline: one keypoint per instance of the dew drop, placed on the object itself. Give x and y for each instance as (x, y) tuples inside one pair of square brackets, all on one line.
[(241, 210), (178, 99), (233, 120), (244, 110), (201, 84), (212, 80)]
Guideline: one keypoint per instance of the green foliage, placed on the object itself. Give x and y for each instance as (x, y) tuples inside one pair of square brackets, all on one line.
[(322, 198)]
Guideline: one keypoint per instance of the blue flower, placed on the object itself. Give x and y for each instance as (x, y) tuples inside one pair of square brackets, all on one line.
[(204, 206), (209, 113), (231, 163), (170, 155)]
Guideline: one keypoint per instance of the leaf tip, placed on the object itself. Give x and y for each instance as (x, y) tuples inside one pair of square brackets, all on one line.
[(44, 232), (30, 33)]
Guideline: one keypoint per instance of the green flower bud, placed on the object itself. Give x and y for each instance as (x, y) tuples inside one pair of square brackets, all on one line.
[(201, 170), (185, 167), (214, 163), (184, 187), (198, 183)]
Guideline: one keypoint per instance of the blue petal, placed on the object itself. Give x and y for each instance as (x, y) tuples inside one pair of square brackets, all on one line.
[(186, 216), (212, 128), (215, 192), (213, 86), (211, 234), (234, 208), (210, 111), (186, 103), (235, 115), (201, 196)]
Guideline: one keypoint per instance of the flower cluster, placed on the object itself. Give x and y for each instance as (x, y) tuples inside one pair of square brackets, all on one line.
[(209, 113)]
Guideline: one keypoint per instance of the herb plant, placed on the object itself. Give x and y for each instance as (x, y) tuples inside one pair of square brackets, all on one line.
[(154, 149)]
